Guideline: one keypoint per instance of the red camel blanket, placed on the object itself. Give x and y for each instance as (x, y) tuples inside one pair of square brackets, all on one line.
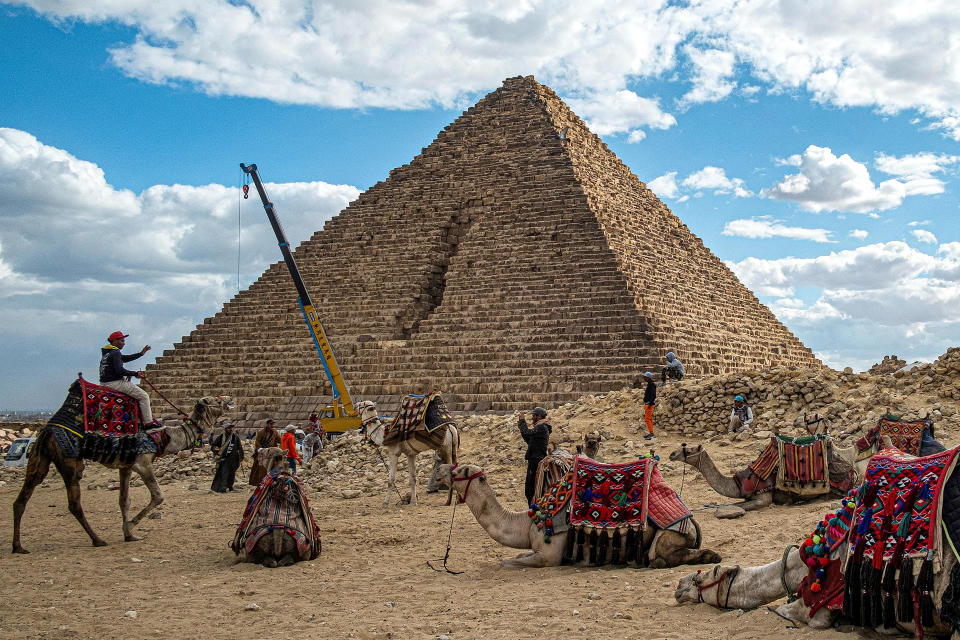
[(904, 435), (279, 502), (895, 474), (108, 412)]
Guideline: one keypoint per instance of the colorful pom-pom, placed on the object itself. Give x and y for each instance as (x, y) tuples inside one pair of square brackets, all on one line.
[(815, 587), (824, 562)]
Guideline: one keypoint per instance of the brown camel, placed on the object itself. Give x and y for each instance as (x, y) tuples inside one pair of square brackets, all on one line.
[(277, 547), (48, 449), (666, 548), (841, 465)]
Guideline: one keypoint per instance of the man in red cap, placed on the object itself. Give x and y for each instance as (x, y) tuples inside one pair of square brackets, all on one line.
[(114, 375)]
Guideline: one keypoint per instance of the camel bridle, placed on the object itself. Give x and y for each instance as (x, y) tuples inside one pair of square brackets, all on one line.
[(468, 479), (728, 574)]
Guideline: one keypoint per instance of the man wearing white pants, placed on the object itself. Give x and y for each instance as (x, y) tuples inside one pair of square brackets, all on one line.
[(114, 375)]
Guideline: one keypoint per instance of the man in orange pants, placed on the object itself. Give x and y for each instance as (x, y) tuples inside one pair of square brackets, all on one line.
[(649, 399)]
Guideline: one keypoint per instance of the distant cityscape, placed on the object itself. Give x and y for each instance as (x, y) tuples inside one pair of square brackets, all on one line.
[(7, 415)]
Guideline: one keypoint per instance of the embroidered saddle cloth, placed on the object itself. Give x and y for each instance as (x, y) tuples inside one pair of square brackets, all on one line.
[(904, 435), (278, 502), (422, 418), (801, 465), (895, 474), (109, 412)]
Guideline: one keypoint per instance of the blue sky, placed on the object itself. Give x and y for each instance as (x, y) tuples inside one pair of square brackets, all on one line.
[(813, 149)]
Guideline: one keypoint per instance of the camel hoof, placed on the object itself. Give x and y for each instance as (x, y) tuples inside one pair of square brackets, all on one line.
[(20, 550), (99, 543), (270, 562), (131, 538), (658, 563), (710, 557)]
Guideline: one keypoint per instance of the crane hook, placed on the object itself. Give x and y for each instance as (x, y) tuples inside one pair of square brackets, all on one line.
[(246, 191)]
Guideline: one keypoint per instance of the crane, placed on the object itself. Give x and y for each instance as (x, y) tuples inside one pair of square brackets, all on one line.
[(341, 415)]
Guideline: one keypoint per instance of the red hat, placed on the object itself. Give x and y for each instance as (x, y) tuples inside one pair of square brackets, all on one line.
[(116, 335)]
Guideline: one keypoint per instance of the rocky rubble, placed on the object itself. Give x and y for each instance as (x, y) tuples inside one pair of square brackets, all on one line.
[(888, 365)]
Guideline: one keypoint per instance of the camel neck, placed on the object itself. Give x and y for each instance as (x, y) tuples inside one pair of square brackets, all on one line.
[(724, 485), (757, 586), (509, 528)]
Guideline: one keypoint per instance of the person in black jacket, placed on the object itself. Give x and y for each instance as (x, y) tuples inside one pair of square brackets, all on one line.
[(649, 399), (114, 375), (537, 438)]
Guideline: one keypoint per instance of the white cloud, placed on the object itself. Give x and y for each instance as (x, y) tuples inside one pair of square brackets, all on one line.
[(918, 223), (712, 70), (715, 179), (665, 186), (381, 53), (766, 227), (624, 111), (827, 182), (154, 262), (859, 234), (917, 166), (922, 235)]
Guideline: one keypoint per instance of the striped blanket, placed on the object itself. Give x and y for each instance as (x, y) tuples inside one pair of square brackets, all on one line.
[(279, 502), (423, 418), (801, 464)]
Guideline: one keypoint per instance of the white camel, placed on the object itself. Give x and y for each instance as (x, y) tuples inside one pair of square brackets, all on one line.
[(375, 432)]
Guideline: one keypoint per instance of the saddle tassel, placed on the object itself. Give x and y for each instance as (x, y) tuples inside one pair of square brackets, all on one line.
[(602, 550), (925, 587), (580, 539), (615, 546), (631, 551), (874, 590), (594, 540), (905, 565), (853, 590), (568, 548)]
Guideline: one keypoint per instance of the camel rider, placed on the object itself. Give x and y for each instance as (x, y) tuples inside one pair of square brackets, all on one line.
[(673, 370), (114, 376), (742, 416), (537, 438)]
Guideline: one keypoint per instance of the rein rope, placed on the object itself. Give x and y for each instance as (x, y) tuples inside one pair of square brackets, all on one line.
[(732, 573), (783, 573), (165, 398), (683, 472), (446, 554)]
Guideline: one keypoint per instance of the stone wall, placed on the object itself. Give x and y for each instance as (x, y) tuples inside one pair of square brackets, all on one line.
[(503, 265)]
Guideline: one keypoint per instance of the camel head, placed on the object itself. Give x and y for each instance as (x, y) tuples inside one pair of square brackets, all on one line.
[(690, 587), (690, 455), (459, 477), (370, 423), (591, 444), (272, 458), (209, 408)]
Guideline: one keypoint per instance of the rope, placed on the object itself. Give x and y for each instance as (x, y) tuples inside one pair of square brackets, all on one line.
[(783, 573), (165, 399), (446, 555)]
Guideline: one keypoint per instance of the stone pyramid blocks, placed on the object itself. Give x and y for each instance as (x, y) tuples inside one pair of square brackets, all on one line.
[(504, 266)]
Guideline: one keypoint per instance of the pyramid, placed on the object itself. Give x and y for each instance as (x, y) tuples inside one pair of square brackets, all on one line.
[(506, 265)]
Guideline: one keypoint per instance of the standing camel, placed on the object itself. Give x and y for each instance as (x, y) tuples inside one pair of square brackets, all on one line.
[(411, 447), (58, 445), (664, 547)]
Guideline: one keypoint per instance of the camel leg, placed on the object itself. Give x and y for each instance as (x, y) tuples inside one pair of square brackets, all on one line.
[(671, 549), (759, 501), (530, 559), (391, 477), (71, 470), (125, 503), (37, 470), (412, 467), (433, 485), (145, 471)]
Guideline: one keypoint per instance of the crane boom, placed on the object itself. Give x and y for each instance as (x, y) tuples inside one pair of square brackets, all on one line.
[(342, 415)]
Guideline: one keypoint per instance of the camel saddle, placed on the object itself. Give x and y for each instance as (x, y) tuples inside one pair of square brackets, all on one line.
[(421, 417), (278, 502), (801, 465), (905, 435)]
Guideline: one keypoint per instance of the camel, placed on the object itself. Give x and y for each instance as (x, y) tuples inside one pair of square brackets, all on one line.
[(276, 547), (734, 587), (375, 432), (515, 529), (48, 449), (842, 462)]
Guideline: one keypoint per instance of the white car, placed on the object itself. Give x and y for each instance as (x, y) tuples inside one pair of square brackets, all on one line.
[(19, 452)]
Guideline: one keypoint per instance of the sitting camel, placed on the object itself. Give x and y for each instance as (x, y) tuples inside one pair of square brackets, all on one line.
[(59, 444), (756, 495), (277, 528), (735, 587), (446, 449), (665, 548)]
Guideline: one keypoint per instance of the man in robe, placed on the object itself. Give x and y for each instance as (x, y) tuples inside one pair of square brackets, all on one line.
[(266, 438), (229, 451)]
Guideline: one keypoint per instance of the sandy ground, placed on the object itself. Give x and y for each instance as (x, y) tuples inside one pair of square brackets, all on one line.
[(371, 581)]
